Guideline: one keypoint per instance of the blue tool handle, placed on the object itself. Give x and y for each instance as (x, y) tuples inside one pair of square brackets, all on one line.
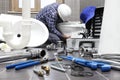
[(10, 66), (67, 57), (92, 65), (105, 68), (26, 65)]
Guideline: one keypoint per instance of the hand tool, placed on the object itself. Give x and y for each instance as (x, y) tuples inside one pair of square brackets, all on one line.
[(115, 67), (27, 63), (89, 63), (111, 59), (33, 53), (107, 56), (54, 66), (114, 64), (58, 62)]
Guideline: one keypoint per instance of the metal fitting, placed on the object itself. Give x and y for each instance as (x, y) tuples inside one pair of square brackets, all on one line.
[(46, 68), (39, 72)]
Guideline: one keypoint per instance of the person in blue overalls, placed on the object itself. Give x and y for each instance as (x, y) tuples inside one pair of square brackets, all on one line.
[(51, 15)]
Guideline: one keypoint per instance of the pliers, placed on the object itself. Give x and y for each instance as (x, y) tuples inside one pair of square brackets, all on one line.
[(27, 63)]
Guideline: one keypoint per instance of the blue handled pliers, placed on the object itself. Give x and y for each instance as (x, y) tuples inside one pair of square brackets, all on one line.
[(89, 63), (27, 63)]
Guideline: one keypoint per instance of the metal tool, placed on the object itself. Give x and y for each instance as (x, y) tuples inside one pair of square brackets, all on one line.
[(32, 53), (114, 64), (67, 76), (111, 59), (26, 64), (89, 63), (115, 67), (107, 56), (53, 66)]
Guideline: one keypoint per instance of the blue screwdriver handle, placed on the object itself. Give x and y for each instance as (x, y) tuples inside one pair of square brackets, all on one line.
[(26, 65), (10, 66)]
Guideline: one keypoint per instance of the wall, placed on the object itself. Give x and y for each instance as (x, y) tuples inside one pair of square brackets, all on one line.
[(97, 3), (4, 6), (76, 6)]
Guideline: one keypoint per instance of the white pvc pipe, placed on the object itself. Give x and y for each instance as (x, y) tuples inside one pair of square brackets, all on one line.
[(14, 26), (17, 33), (110, 31), (26, 9)]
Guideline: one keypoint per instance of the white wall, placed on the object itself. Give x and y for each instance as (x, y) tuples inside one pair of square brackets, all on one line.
[(75, 6), (97, 3), (78, 5)]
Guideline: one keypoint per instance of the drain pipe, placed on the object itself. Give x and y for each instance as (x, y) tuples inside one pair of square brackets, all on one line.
[(17, 35)]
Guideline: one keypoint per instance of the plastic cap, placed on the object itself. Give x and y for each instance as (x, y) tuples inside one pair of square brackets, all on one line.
[(64, 11)]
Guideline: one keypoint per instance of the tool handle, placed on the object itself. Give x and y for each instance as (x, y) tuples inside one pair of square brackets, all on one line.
[(89, 63), (26, 65), (21, 63)]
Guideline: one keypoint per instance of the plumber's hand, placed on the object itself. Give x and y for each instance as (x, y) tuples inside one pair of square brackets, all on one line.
[(66, 36)]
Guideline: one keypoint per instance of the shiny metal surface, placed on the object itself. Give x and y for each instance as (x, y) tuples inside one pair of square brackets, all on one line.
[(28, 74), (30, 53)]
